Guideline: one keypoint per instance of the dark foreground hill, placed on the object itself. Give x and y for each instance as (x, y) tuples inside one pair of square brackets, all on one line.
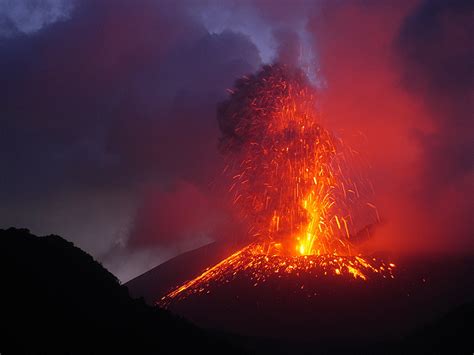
[(55, 298), (427, 308)]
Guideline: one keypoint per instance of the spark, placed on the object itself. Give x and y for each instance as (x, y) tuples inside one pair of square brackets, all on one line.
[(300, 188), (252, 262)]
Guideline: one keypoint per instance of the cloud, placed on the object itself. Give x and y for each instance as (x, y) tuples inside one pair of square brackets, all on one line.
[(29, 16), (398, 74), (109, 112), (179, 213), (435, 50), (288, 48), (119, 97)]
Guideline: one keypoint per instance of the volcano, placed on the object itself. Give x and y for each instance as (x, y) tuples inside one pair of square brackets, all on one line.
[(307, 201), (304, 306)]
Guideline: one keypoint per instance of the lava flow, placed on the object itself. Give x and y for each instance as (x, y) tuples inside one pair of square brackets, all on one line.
[(300, 189)]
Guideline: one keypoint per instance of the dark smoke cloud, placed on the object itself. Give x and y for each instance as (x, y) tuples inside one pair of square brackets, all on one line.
[(288, 47), (108, 107), (179, 213), (399, 71), (28, 16), (436, 50), (245, 115), (110, 115)]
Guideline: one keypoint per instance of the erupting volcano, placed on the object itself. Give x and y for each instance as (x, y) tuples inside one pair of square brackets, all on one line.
[(302, 192)]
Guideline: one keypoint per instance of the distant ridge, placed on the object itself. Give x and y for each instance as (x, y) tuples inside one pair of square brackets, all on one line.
[(154, 283), (56, 299)]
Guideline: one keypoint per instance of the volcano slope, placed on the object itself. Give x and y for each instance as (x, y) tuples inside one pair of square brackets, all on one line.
[(309, 307)]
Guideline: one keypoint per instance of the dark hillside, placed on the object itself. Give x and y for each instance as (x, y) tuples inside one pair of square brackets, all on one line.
[(55, 298)]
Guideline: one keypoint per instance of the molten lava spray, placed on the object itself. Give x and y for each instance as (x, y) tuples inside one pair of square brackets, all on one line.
[(300, 189)]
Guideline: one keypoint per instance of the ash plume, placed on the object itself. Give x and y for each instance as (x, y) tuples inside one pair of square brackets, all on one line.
[(253, 102), (108, 110), (293, 180)]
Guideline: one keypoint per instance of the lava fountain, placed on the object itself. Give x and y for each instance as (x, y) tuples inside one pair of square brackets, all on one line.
[(301, 190)]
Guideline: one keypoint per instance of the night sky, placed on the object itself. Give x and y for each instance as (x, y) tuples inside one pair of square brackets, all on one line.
[(108, 131)]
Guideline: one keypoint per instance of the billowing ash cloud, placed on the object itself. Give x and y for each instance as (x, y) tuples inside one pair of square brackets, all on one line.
[(108, 115), (289, 174), (436, 51), (255, 99), (108, 107), (29, 16), (399, 73)]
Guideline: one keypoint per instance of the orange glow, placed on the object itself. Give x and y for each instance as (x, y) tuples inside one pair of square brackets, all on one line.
[(300, 189), (294, 182), (253, 262)]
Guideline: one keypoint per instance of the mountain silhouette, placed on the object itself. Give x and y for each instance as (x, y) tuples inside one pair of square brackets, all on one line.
[(154, 283), (427, 306), (56, 299)]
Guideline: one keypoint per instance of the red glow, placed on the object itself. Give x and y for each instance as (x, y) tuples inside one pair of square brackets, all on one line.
[(303, 192), (301, 189)]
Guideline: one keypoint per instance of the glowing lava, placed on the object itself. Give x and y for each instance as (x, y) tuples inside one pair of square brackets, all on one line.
[(300, 189), (252, 262), (294, 182)]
